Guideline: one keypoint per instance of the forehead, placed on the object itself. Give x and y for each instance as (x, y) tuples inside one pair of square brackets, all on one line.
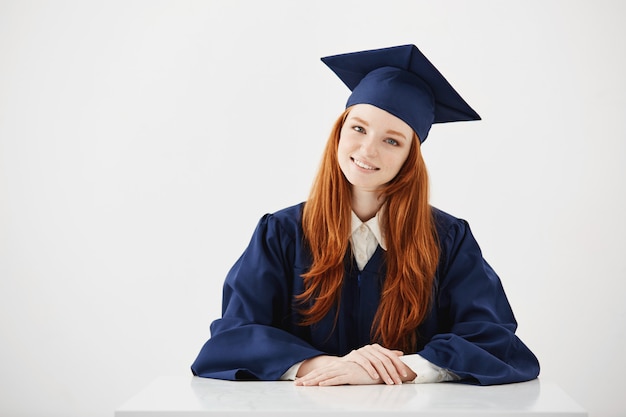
[(379, 118)]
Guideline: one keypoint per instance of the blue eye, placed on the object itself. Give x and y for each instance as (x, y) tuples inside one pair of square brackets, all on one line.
[(392, 141), (359, 129)]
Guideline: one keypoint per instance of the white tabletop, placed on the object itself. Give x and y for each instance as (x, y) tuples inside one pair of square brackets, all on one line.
[(193, 396)]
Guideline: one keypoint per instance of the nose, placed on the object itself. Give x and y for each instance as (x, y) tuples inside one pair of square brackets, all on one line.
[(369, 146)]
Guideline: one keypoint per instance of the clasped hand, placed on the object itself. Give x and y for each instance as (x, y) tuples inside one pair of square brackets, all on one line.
[(371, 364)]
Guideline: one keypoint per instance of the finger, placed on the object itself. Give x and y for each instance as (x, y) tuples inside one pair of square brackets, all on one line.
[(360, 359), (312, 378), (367, 359), (317, 375), (336, 380), (346, 372), (327, 379), (394, 356), (386, 363), (385, 370)]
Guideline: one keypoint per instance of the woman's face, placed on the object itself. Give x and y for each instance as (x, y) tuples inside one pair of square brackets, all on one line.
[(373, 146)]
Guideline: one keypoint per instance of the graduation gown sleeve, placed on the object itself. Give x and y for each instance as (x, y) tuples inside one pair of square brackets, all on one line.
[(256, 337), (473, 334)]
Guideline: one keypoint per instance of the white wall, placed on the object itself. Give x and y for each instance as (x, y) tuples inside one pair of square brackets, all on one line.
[(140, 141)]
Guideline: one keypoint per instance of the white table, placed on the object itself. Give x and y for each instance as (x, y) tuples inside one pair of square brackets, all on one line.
[(193, 396)]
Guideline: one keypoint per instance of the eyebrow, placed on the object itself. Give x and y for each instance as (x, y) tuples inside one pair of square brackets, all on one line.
[(389, 131)]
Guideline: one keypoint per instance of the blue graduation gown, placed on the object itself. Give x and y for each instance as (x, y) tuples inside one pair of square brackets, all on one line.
[(470, 329)]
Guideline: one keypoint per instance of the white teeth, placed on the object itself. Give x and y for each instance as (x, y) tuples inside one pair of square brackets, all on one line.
[(362, 165)]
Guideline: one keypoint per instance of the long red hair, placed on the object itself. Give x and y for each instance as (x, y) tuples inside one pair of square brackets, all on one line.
[(412, 247)]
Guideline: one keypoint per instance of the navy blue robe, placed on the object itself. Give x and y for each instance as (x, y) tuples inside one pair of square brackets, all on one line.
[(470, 329)]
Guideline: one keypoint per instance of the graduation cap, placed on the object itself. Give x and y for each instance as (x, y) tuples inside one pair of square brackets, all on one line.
[(403, 82)]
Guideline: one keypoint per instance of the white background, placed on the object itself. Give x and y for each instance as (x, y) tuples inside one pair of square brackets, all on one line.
[(140, 142)]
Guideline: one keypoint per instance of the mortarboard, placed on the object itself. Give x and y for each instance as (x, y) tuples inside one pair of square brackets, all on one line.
[(403, 82)]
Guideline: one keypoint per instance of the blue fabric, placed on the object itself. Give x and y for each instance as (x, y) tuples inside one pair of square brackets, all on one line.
[(403, 82), (469, 331)]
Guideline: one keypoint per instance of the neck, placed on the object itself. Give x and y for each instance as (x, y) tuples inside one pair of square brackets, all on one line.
[(365, 204)]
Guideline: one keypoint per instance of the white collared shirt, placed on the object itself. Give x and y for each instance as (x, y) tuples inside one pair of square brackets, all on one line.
[(365, 237)]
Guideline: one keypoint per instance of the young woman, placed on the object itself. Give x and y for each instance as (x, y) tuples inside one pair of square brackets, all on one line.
[(365, 282)]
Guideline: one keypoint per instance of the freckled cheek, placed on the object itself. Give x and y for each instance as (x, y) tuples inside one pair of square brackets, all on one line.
[(346, 141), (396, 164), (346, 148), (341, 152), (343, 158)]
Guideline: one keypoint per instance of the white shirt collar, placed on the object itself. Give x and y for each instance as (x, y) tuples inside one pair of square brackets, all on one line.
[(373, 224)]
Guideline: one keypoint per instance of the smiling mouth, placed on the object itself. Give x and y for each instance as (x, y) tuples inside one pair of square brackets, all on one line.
[(363, 165)]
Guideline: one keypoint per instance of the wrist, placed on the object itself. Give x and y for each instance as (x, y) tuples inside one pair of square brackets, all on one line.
[(311, 364)]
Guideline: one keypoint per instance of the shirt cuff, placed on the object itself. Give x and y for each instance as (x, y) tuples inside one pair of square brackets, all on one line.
[(291, 373), (426, 371)]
